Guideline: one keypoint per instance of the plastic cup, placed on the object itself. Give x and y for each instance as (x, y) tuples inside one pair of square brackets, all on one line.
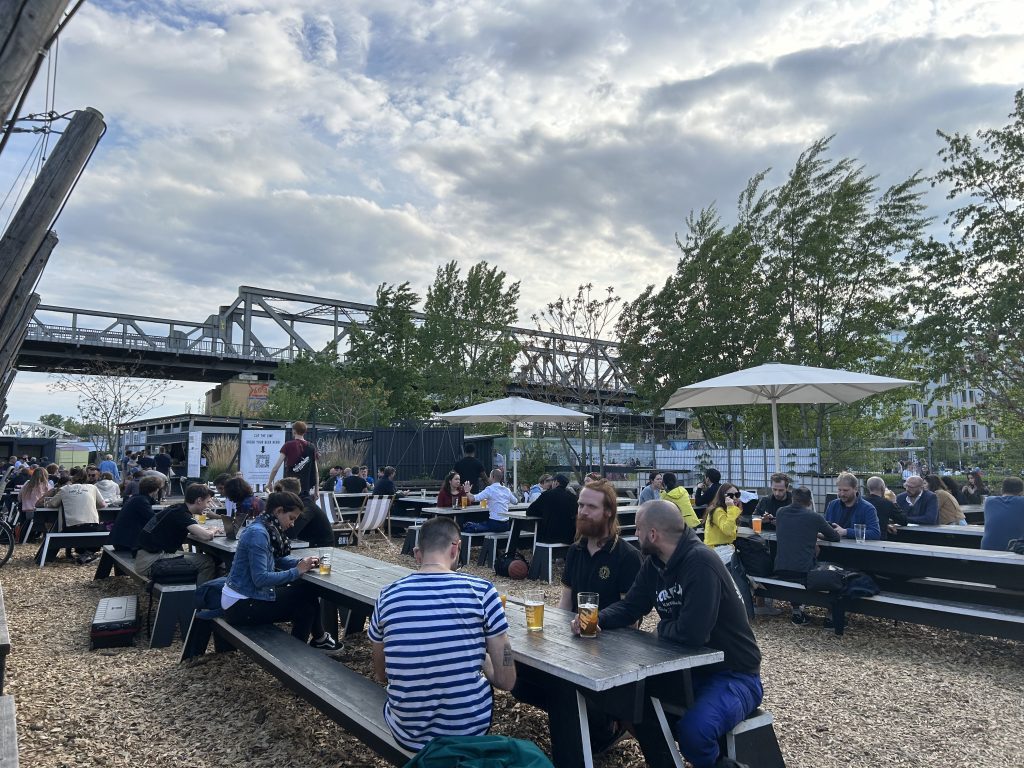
[(201, 518), (325, 562), (860, 531), (587, 603), (755, 523), (534, 601)]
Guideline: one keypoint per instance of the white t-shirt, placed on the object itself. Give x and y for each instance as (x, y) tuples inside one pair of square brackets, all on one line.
[(81, 503), (498, 499)]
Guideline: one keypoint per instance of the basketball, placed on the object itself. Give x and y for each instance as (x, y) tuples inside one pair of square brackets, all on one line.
[(518, 570)]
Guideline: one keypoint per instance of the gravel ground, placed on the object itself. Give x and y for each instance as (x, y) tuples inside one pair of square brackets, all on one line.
[(881, 695)]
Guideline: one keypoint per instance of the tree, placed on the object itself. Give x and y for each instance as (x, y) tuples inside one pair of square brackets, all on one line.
[(52, 420), (385, 351), (968, 306), (112, 398), (580, 368), (319, 386), (465, 349)]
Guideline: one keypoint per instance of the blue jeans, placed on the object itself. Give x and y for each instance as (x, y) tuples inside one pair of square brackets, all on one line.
[(487, 526), (721, 701)]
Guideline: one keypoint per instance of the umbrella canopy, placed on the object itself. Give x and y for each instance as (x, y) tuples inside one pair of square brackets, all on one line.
[(514, 411), (776, 383)]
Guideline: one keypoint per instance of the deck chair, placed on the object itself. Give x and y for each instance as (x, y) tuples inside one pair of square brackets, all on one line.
[(374, 515)]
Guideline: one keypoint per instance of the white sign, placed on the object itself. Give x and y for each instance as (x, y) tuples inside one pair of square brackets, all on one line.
[(260, 448), (195, 452)]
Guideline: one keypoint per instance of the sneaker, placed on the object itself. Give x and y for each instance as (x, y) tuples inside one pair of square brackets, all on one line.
[(800, 619), (828, 623), (767, 610), (85, 558), (327, 643)]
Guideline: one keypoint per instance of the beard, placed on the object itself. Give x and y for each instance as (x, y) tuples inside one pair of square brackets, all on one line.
[(591, 529), (648, 548)]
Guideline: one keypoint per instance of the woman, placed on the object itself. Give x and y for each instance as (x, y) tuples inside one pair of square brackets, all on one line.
[(109, 490), (453, 490), (264, 585), (677, 495), (723, 512), (240, 493), (975, 491), (949, 510), (953, 487), (32, 492)]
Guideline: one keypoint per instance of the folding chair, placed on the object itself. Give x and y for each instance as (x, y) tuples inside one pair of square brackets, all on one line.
[(374, 516)]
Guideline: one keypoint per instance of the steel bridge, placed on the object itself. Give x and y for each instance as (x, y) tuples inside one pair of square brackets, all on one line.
[(263, 328)]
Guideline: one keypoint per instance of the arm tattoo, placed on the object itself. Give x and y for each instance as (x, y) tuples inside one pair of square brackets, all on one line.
[(507, 660)]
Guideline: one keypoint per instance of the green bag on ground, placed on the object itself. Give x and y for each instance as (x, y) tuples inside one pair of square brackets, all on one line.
[(479, 752)]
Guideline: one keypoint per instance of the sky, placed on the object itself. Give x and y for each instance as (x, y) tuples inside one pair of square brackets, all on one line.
[(326, 146)]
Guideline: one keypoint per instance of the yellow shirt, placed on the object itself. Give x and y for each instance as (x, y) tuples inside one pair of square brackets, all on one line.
[(681, 499), (721, 526)]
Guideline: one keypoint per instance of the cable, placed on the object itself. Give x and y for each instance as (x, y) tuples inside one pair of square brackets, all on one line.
[(24, 181)]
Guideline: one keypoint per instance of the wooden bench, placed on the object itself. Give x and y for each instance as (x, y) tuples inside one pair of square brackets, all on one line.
[(752, 742), (346, 697), (947, 614), (174, 602), (62, 539), (5, 640), (8, 733)]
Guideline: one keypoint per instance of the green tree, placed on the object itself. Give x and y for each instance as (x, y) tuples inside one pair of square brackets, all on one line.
[(384, 351), (465, 349), (967, 302), (52, 420), (319, 386)]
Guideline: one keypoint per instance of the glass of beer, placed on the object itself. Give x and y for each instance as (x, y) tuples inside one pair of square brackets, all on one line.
[(465, 502), (325, 562), (201, 518), (483, 503), (533, 599), (755, 523), (503, 596), (587, 603)]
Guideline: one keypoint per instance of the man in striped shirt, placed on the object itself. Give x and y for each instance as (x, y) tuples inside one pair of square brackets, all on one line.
[(440, 640)]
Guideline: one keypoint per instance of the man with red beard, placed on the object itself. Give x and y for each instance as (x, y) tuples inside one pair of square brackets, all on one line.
[(599, 562)]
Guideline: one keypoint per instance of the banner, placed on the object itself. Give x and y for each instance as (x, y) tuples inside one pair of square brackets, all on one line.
[(195, 453), (260, 448)]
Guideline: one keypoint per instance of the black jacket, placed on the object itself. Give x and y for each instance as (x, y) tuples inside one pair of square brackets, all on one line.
[(703, 497), (697, 602), (556, 508), (887, 512)]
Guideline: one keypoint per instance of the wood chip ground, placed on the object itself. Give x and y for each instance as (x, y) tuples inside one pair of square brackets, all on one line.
[(883, 695)]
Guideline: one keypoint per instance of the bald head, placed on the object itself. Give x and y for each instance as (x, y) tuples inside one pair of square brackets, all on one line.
[(663, 516)]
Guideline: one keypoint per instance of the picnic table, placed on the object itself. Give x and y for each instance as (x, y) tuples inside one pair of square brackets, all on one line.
[(975, 513), (968, 536), (616, 671)]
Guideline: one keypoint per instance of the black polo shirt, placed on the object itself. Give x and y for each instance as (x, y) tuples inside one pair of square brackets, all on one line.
[(610, 571)]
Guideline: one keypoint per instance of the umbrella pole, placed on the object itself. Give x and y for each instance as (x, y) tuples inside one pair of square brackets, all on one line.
[(515, 460), (775, 434)]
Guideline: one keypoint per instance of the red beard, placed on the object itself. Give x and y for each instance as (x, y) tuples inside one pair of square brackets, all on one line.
[(591, 529)]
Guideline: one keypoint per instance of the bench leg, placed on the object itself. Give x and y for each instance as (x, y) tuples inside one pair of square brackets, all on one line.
[(581, 712), (656, 751), (758, 747), (105, 565), (43, 550), (197, 638), (173, 610), (467, 544)]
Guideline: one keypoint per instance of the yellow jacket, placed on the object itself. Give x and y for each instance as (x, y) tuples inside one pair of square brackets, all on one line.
[(720, 527), (681, 499)]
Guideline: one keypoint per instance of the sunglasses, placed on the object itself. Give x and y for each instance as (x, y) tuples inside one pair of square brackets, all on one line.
[(732, 495)]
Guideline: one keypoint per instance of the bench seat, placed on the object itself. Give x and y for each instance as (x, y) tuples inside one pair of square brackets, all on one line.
[(751, 742), (8, 733), (5, 639), (174, 602), (346, 697), (994, 621)]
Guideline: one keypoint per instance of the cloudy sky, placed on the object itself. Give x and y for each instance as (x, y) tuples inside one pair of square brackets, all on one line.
[(324, 146)]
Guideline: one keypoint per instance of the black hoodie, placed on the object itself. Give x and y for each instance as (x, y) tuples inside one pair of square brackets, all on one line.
[(697, 601)]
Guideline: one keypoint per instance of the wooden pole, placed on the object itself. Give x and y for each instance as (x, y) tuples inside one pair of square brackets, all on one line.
[(25, 28), (11, 315), (48, 193)]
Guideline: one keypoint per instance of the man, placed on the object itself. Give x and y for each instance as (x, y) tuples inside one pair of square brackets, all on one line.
[(109, 465), (440, 640), (797, 530), (920, 505), (652, 491), (850, 510), (132, 518), (706, 490), (599, 562), (498, 499), (126, 460), (164, 534), (385, 486), (81, 502), (333, 479), (364, 472), (780, 496), (889, 515), (545, 483), (299, 457), (162, 462), (146, 461), (698, 605), (1004, 516), (470, 467), (92, 474), (352, 482), (556, 508)]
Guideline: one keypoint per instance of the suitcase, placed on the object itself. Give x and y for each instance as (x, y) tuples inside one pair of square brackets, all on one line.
[(116, 622)]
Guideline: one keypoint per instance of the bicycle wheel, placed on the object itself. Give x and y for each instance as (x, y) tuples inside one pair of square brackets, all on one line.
[(6, 543)]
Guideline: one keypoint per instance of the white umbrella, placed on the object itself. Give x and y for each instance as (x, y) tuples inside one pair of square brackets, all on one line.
[(514, 411), (777, 383)]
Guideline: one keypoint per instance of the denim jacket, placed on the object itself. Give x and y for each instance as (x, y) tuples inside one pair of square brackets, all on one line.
[(254, 571)]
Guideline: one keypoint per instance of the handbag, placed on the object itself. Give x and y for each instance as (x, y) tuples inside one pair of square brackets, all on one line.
[(755, 554), (173, 570), (826, 578), (502, 563)]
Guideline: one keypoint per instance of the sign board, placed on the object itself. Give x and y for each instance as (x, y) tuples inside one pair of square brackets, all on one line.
[(260, 448), (195, 453), (258, 394)]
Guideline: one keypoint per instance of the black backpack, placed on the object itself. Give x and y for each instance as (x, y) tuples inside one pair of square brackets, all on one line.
[(755, 555)]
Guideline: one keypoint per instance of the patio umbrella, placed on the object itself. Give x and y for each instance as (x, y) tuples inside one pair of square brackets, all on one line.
[(514, 411), (776, 383)]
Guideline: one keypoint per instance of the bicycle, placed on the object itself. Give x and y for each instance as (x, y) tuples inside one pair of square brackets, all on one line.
[(7, 516)]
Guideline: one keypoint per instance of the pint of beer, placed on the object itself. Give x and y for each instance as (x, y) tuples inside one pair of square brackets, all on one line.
[(755, 523), (534, 601), (587, 603), (325, 562)]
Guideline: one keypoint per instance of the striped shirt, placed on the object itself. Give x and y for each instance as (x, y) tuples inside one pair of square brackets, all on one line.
[(434, 627)]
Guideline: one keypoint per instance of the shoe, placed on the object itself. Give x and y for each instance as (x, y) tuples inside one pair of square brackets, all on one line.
[(327, 643), (767, 610), (85, 558), (800, 619)]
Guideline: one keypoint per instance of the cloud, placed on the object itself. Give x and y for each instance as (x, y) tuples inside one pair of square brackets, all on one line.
[(328, 145)]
